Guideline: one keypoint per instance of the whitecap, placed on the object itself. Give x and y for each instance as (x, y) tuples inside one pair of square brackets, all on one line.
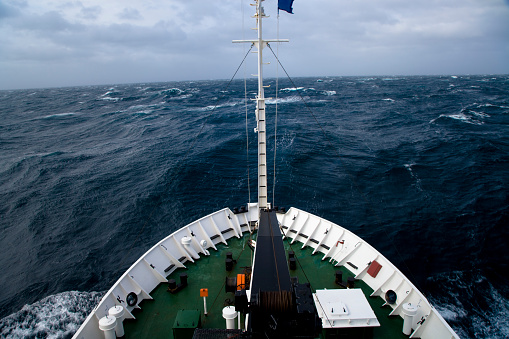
[(463, 118), (55, 316), (466, 115), (329, 93), (291, 89), (461, 293), (228, 104), (414, 176), (58, 115), (171, 91), (285, 100), (110, 91), (181, 97), (492, 106), (110, 99), (388, 99), (479, 114), (106, 96), (137, 107), (451, 312)]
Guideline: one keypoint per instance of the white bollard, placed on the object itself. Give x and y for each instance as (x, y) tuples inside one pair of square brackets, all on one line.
[(107, 325), (118, 313), (409, 311), (229, 315)]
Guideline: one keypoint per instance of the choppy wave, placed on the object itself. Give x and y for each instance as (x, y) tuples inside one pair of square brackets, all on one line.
[(463, 117), (475, 114), (414, 176), (56, 316), (417, 159), (220, 105), (172, 92), (110, 95), (59, 115), (285, 100), (291, 89), (308, 89), (472, 305)]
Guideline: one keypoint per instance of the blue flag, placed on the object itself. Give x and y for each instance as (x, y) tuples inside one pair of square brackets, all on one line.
[(285, 5)]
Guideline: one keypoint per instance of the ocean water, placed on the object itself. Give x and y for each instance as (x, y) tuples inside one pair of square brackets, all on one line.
[(92, 177)]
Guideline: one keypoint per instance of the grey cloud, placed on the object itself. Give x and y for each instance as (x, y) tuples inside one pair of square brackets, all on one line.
[(327, 37), (55, 37), (90, 13), (47, 23), (130, 14), (6, 10)]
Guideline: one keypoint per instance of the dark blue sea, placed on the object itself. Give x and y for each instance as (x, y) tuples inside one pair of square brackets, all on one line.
[(92, 177)]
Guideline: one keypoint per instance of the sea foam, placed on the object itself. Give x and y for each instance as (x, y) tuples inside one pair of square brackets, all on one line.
[(56, 316)]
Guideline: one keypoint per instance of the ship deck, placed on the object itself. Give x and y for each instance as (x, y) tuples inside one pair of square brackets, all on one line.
[(155, 318)]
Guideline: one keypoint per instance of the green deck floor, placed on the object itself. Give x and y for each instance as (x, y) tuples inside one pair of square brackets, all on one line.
[(156, 318)]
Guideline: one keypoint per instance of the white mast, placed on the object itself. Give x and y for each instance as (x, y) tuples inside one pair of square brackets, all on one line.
[(260, 107), (260, 115)]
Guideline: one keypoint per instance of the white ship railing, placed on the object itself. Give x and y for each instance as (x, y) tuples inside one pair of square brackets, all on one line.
[(337, 244)]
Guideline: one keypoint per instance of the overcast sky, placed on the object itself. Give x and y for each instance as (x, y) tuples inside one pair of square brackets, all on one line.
[(48, 43)]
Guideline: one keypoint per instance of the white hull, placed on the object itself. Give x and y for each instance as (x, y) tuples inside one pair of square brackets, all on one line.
[(334, 242)]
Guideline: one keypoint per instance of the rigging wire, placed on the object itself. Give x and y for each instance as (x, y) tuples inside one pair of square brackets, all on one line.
[(247, 141), (275, 119), (352, 178), (182, 161), (245, 105)]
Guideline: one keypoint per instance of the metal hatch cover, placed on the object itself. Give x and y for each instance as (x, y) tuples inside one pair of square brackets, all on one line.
[(344, 308)]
